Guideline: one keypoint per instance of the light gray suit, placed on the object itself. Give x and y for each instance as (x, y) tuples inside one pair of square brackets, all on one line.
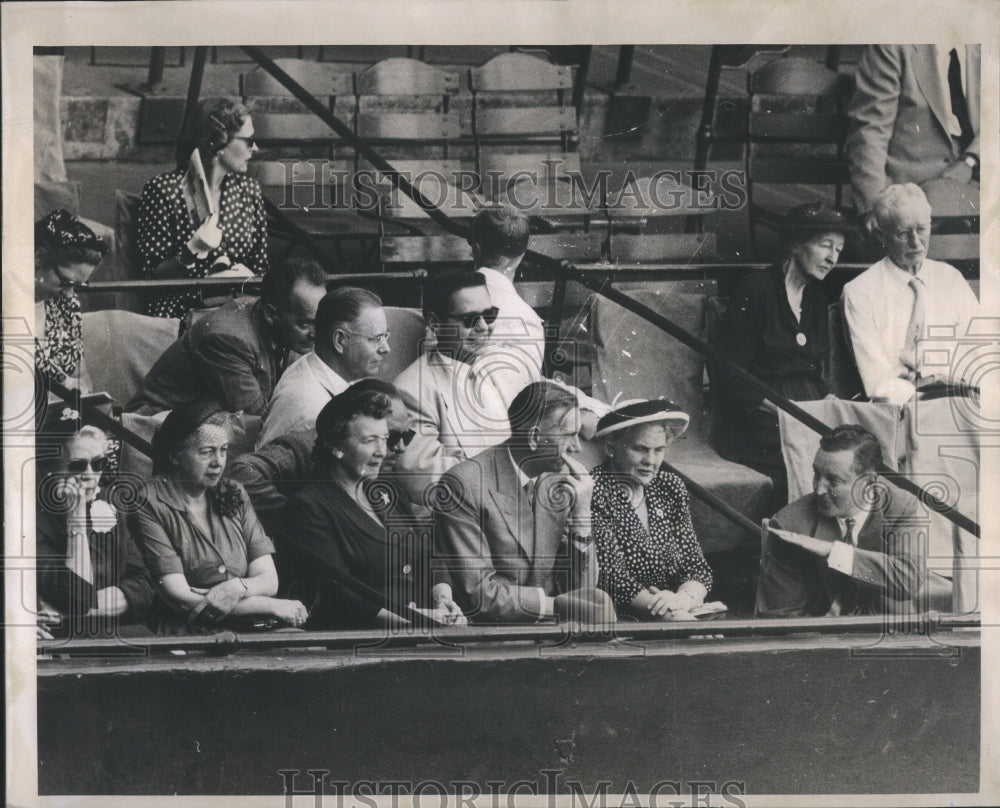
[(899, 113), (501, 553)]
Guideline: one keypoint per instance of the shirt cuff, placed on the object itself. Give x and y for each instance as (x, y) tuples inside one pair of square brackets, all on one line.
[(895, 391), (546, 605), (841, 557)]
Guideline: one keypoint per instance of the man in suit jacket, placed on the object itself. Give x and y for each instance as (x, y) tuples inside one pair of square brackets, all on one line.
[(512, 524), (847, 548), (905, 126), (235, 354), (456, 408)]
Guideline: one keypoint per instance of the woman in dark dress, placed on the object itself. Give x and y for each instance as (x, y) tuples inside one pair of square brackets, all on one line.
[(775, 327), (89, 571), (651, 564), (200, 537), (234, 238), (347, 520)]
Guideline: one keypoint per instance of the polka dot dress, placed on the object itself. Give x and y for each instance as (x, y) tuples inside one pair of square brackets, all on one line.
[(632, 558), (165, 227)]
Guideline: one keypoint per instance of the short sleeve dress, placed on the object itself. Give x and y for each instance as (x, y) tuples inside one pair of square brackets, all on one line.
[(171, 542), (633, 558), (165, 227)]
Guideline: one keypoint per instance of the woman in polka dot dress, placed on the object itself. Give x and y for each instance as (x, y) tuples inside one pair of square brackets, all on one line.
[(234, 236), (650, 561)]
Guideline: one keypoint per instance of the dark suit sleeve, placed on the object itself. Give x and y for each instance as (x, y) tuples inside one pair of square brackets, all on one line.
[(228, 363), (898, 571), (482, 592), (872, 112), (781, 589), (315, 540), (274, 472)]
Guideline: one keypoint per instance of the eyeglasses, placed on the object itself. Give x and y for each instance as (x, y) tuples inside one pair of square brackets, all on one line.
[(250, 140), (374, 340), (80, 466), (399, 437), (470, 318)]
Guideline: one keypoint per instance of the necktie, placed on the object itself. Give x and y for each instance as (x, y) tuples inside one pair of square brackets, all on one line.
[(915, 328), (849, 533), (959, 107)]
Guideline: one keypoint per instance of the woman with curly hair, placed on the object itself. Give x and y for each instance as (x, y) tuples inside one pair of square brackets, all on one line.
[(344, 520), (234, 237), (200, 536)]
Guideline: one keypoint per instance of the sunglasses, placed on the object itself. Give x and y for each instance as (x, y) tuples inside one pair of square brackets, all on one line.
[(79, 466), (399, 437), (250, 140), (469, 319)]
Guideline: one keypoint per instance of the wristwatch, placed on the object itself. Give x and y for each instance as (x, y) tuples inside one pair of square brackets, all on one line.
[(972, 161)]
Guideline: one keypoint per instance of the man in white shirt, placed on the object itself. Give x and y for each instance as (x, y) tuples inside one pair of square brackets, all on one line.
[(846, 548), (351, 343), (907, 290), (909, 319)]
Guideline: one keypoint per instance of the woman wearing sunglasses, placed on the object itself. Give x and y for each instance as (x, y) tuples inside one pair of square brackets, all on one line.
[(66, 253), (234, 237), (200, 536), (347, 520), (90, 574)]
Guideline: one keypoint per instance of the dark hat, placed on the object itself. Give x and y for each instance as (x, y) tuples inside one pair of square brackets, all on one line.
[(343, 406), (60, 229), (177, 427), (632, 413), (818, 217)]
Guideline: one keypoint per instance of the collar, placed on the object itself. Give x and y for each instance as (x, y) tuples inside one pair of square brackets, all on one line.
[(167, 494), (332, 381), (859, 517), (900, 275), (522, 478)]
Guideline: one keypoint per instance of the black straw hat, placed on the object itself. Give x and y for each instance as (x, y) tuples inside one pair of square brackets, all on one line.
[(818, 217)]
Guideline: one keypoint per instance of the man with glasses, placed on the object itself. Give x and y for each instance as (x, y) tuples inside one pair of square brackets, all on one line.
[(278, 469), (457, 409), (352, 341)]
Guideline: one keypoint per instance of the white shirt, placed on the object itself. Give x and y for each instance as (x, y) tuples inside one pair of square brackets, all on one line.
[(877, 308), (302, 391), (841, 556)]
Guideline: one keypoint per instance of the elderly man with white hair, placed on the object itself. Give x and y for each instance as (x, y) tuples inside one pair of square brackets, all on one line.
[(908, 318)]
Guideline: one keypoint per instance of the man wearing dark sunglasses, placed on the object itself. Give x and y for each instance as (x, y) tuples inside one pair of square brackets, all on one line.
[(456, 407)]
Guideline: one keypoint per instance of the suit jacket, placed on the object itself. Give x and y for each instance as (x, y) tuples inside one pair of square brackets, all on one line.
[(225, 356), (899, 113), (889, 562), (502, 554)]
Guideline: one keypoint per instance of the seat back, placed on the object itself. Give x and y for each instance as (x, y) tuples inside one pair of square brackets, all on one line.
[(120, 347), (408, 331), (799, 443), (796, 125), (840, 371)]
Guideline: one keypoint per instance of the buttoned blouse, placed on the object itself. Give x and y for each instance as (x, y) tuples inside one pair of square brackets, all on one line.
[(171, 541), (165, 227), (632, 557)]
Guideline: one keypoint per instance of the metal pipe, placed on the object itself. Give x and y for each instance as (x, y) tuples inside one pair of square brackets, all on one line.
[(716, 503)]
